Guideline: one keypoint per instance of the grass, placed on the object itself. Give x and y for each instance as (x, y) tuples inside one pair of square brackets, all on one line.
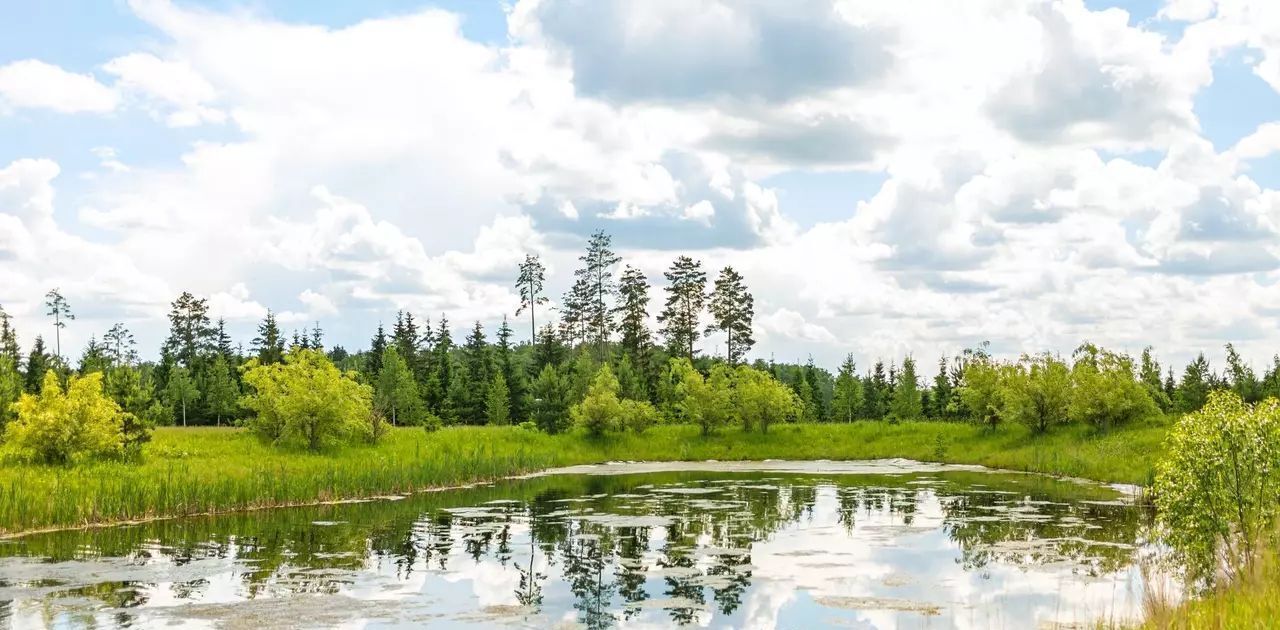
[(1250, 601), (188, 471)]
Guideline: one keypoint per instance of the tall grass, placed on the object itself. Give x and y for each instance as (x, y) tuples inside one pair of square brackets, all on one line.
[(1252, 600), (189, 471)]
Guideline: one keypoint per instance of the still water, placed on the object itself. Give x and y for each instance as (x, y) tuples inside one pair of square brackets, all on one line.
[(773, 544)]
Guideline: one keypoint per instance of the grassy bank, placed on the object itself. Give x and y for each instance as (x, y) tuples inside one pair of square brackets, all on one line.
[(201, 470), (1252, 601)]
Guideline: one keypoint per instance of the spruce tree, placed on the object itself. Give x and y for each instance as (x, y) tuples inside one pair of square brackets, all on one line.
[(38, 362), (395, 393), (498, 401), (9, 347), (549, 350), (942, 391), (906, 396), (377, 349), (479, 370), (686, 295), (1193, 391), (732, 309), (513, 377), (549, 400), (269, 344), (846, 401)]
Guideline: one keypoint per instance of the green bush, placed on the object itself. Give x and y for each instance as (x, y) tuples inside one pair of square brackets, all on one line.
[(306, 400), (638, 415), (1218, 486), (600, 410), (1105, 392), (60, 426)]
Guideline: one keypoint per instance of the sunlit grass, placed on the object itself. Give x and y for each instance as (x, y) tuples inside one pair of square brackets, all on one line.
[(1251, 601), (197, 470)]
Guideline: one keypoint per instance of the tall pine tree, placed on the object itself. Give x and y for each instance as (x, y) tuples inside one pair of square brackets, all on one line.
[(686, 295), (732, 309)]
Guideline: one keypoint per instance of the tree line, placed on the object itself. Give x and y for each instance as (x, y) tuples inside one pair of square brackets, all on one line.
[(419, 375)]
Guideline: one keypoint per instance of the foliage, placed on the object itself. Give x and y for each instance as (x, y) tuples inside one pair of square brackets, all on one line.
[(181, 390), (1104, 391), (307, 401), (1037, 392), (600, 410), (638, 415), (846, 403), (395, 392), (550, 400), (707, 402), (907, 404), (220, 390), (1217, 486), (760, 400), (982, 390), (498, 403), (686, 294), (732, 309), (65, 426), (10, 388)]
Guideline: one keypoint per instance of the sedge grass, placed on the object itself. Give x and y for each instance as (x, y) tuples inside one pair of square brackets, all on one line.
[(188, 471)]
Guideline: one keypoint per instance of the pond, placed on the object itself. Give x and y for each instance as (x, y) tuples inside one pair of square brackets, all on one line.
[(748, 545)]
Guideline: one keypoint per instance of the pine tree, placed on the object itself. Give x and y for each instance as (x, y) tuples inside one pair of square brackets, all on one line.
[(574, 319), (479, 374), (377, 349), (268, 345), (512, 375), (940, 397), (38, 362), (61, 312), (532, 275), (847, 398), (94, 358), (598, 263), (9, 347), (191, 335), (1241, 377), (317, 337), (732, 309), (119, 345), (549, 350), (439, 385), (633, 293), (549, 401), (906, 396), (396, 392), (686, 294), (498, 401), (1193, 391)]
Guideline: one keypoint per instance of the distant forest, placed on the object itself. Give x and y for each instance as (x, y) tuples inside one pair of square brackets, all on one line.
[(603, 319)]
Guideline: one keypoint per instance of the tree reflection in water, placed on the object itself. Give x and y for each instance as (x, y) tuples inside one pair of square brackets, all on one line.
[(620, 545)]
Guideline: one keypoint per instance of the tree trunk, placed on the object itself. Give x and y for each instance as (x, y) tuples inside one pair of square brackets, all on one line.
[(184, 413)]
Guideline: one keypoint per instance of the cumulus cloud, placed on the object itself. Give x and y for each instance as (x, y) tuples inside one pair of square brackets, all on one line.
[(34, 84), (671, 50), (395, 164)]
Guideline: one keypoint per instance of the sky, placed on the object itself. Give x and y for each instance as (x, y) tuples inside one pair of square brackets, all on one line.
[(890, 178)]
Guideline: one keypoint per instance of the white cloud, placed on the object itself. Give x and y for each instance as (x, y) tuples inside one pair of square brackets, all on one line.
[(34, 84), (172, 85)]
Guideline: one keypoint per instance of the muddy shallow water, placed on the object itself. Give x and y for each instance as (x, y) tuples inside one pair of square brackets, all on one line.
[(762, 544)]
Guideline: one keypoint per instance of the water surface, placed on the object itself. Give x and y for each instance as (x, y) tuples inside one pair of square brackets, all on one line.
[(773, 544)]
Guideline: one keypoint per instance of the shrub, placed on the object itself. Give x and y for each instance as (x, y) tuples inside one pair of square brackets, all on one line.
[(638, 415), (1037, 392), (1105, 392), (600, 410), (60, 426), (431, 422), (981, 390), (707, 402), (760, 400), (307, 400), (1217, 486)]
